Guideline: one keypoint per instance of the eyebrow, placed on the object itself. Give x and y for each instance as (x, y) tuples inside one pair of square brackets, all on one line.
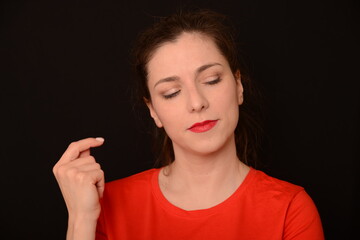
[(168, 79), (197, 72), (206, 66)]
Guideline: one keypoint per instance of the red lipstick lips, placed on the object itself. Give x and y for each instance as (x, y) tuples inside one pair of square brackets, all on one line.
[(203, 126)]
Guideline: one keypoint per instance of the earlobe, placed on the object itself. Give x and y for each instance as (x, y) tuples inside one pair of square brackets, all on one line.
[(153, 113), (239, 88)]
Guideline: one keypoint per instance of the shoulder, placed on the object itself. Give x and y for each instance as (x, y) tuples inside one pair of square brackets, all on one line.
[(142, 176), (302, 220), (266, 184), (268, 190), (138, 183)]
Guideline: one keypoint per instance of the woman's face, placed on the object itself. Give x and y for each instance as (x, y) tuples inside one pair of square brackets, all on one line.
[(194, 94)]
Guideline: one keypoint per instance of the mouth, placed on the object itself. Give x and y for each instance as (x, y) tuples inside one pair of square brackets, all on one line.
[(203, 126)]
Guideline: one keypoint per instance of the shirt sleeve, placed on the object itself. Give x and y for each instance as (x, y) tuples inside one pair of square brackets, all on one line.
[(302, 219)]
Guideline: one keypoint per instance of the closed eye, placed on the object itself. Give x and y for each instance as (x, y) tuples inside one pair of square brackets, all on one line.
[(171, 95), (213, 82)]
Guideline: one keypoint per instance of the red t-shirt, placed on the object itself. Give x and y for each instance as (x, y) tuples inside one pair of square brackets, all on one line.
[(262, 207)]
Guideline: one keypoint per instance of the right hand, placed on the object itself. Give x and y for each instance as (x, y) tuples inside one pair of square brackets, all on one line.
[(81, 179)]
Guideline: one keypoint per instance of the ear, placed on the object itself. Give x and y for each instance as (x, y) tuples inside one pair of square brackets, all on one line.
[(239, 87), (153, 113)]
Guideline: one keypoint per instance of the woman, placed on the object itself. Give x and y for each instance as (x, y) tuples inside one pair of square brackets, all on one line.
[(192, 84)]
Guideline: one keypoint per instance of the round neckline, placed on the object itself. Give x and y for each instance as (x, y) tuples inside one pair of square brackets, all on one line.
[(172, 209)]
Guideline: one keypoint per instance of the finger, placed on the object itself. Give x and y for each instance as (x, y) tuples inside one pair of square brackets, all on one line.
[(75, 148), (100, 185), (85, 153), (63, 170), (97, 178), (82, 161), (84, 166)]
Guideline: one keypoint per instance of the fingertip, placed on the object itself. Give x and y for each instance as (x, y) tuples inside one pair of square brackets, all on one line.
[(100, 139)]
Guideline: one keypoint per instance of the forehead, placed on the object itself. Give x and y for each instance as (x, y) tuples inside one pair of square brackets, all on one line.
[(182, 56)]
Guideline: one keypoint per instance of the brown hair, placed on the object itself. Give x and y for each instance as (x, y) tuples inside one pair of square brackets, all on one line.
[(219, 28)]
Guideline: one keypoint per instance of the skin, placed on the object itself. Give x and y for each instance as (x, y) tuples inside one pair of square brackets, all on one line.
[(206, 169), (81, 181)]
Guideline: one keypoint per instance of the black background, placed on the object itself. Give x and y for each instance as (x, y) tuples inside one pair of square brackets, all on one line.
[(66, 75)]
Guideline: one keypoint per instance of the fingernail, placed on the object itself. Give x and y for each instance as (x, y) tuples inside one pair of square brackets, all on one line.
[(100, 139)]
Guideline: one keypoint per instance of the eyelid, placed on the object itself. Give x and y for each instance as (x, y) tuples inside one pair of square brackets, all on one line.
[(214, 81), (171, 95)]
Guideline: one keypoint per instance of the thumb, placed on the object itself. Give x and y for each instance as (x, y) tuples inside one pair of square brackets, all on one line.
[(100, 185), (85, 153)]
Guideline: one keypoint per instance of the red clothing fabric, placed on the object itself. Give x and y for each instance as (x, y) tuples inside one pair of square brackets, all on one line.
[(262, 207)]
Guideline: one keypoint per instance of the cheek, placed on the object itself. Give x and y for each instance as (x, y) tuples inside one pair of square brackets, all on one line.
[(228, 104), (227, 97), (169, 115), (232, 109)]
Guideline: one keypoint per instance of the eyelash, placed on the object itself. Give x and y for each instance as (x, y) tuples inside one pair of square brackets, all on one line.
[(171, 95), (212, 82)]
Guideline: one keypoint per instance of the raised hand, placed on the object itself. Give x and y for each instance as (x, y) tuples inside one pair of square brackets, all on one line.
[(81, 181)]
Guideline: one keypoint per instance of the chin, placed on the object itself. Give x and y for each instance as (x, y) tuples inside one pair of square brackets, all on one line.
[(213, 146)]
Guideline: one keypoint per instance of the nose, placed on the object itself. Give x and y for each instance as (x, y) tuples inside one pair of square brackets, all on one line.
[(197, 100)]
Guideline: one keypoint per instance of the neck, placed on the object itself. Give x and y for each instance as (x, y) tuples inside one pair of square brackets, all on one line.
[(196, 170), (198, 181)]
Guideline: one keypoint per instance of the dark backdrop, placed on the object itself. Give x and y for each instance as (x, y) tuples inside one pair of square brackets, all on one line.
[(66, 75)]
